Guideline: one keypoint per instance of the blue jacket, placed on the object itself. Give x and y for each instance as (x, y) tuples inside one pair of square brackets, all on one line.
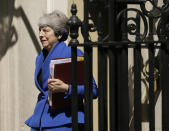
[(43, 116)]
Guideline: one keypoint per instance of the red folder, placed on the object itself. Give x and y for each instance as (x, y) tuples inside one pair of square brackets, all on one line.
[(62, 69), (64, 72)]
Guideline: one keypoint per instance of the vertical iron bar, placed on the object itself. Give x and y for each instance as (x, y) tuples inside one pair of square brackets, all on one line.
[(137, 89), (151, 78), (100, 74), (102, 88), (123, 98), (88, 89), (102, 80), (112, 89), (164, 73), (151, 90), (74, 89), (164, 83), (74, 23), (105, 89), (86, 4), (137, 81), (112, 72), (88, 74), (123, 92)]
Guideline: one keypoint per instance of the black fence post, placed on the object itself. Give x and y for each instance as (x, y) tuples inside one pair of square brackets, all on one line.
[(102, 88), (164, 68), (88, 102), (102, 80), (122, 74), (74, 23), (164, 83), (137, 79), (112, 66), (151, 51)]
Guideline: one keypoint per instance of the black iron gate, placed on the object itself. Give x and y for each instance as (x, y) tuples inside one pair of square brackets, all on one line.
[(120, 28)]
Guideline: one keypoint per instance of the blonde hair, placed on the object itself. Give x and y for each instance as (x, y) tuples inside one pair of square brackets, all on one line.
[(57, 21)]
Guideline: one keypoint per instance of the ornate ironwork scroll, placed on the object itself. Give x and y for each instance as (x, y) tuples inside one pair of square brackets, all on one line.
[(120, 25)]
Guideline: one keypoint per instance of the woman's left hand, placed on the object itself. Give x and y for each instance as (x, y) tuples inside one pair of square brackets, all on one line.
[(57, 85)]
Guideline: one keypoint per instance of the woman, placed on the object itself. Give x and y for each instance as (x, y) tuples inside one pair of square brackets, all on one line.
[(52, 33)]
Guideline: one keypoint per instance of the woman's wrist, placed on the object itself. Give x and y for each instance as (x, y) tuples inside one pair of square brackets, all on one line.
[(66, 88)]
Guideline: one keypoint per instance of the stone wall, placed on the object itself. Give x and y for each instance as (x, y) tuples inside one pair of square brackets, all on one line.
[(19, 47)]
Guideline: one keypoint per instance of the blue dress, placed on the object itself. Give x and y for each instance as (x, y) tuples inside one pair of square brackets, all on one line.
[(43, 118)]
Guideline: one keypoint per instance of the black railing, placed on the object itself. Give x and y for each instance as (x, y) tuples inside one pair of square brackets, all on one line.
[(117, 32)]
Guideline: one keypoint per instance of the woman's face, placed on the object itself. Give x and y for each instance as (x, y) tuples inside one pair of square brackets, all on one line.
[(47, 37)]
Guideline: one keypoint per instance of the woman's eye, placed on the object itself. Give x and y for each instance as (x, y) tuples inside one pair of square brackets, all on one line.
[(46, 30)]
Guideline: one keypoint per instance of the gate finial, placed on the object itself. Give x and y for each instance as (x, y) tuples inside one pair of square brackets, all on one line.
[(74, 23)]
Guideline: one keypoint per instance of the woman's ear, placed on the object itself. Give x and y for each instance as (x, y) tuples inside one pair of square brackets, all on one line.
[(59, 37)]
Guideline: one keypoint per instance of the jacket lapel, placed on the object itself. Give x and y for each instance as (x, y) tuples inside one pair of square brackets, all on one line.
[(56, 52), (39, 62)]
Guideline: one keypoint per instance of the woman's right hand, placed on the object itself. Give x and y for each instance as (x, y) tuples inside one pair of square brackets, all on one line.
[(57, 85)]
